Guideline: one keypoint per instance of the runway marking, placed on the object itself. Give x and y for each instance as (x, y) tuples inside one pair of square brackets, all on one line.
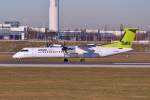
[(131, 63), (78, 65)]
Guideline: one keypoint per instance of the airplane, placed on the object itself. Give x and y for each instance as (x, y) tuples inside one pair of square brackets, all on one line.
[(59, 51)]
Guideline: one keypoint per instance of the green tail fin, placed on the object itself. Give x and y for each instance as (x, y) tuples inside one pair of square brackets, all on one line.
[(126, 41)]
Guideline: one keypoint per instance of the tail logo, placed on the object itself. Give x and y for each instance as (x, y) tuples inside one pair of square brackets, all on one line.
[(125, 42)]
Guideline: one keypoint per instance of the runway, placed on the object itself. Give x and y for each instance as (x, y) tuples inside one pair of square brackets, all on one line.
[(113, 65)]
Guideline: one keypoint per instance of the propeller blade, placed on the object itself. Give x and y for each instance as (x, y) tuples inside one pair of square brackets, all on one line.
[(65, 49)]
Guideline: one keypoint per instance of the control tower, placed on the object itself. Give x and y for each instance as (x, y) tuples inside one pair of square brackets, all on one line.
[(54, 16)]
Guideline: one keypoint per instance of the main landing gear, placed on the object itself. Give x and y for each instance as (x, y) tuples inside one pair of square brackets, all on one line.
[(66, 60), (82, 60)]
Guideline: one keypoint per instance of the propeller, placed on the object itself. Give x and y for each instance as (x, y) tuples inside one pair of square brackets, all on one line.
[(64, 48)]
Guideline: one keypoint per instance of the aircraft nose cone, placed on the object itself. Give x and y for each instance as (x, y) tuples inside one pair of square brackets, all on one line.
[(15, 56)]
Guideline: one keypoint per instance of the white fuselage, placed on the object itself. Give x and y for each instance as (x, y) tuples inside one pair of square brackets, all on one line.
[(40, 52), (107, 51), (57, 52)]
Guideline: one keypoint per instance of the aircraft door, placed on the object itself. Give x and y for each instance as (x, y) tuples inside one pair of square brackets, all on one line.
[(33, 51)]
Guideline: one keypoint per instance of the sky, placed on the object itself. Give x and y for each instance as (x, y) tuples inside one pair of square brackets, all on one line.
[(74, 14)]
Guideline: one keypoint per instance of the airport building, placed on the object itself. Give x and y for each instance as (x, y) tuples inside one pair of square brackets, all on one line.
[(86, 35), (11, 35), (11, 30), (99, 35), (36, 33)]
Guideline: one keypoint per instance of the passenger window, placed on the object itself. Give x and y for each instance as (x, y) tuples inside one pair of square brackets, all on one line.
[(24, 50)]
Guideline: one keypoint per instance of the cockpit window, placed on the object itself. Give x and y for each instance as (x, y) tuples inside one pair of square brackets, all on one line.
[(24, 50)]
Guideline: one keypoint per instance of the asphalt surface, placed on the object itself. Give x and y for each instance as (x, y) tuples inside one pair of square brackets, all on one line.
[(113, 65)]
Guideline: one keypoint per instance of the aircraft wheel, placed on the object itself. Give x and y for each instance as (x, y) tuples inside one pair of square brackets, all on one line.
[(66, 60), (82, 60)]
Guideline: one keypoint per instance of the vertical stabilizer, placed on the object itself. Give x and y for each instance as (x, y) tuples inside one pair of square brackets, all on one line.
[(126, 41)]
